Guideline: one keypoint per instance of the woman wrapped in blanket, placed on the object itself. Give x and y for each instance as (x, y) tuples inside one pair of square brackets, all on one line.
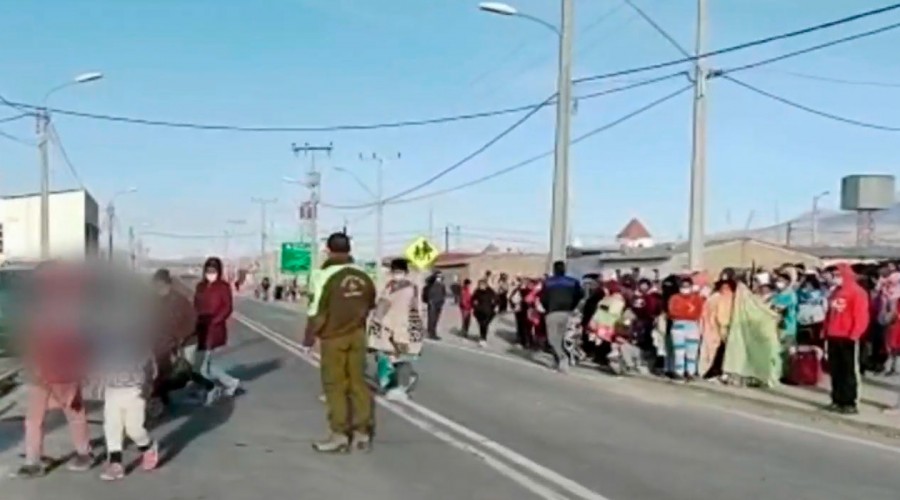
[(396, 332)]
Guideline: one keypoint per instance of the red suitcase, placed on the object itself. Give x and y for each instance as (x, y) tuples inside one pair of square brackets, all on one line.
[(804, 367)]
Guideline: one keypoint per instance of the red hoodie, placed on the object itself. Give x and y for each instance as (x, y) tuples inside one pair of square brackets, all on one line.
[(465, 299), (848, 308)]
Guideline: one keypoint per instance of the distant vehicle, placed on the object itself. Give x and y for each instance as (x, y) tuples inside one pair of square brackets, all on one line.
[(14, 279)]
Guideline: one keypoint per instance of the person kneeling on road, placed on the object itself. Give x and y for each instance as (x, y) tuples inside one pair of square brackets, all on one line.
[(337, 316)]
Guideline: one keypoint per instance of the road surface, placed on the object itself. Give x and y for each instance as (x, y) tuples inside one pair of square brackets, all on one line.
[(481, 426)]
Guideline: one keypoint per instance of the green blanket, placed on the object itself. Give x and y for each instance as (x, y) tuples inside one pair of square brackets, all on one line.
[(752, 349)]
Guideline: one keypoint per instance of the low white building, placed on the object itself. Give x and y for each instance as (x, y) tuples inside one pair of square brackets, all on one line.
[(74, 226)]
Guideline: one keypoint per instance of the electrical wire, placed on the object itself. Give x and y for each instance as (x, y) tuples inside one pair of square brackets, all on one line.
[(14, 117), (54, 137), (197, 236), (824, 114), (16, 139), (474, 154), (659, 29), (745, 45), (541, 156), (842, 81), (814, 48)]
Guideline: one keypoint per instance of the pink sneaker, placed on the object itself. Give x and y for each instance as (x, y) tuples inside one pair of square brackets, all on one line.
[(150, 460), (112, 472)]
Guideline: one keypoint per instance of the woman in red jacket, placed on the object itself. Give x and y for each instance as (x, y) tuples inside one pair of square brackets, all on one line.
[(465, 305), (213, 304), (685, 310)]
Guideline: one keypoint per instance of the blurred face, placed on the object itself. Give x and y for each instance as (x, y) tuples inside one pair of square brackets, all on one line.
[(643, 287), (482, 285), (781, 284), (211, 274), (162, 288), (685, 288)]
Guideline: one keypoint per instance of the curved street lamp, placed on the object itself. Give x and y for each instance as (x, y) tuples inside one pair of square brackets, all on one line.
[(43, 123)]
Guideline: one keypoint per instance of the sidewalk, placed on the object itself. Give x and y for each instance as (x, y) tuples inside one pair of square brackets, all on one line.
[(877, 393)]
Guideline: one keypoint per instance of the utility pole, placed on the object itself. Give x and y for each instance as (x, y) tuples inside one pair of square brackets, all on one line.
[(814, 216), (110, 225), (560, 210), (430, 222), (314, 184), (789, 232), (379, 211), (43, 124), (263, 236), (698, 160), (131, 248)]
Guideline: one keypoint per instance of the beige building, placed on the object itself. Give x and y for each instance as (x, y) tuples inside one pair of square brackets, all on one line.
[(474, 265), (664, 259)]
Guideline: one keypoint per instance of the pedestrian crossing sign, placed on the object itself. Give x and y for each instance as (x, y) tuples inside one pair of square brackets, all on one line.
[(421, 253)]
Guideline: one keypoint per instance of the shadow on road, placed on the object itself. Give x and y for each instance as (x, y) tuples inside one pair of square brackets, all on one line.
[(200, 421)]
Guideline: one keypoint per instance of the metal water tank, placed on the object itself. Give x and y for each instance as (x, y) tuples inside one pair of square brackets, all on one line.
[(867, 192)]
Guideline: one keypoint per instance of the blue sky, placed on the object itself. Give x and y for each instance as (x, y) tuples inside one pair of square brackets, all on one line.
[(308, 62)]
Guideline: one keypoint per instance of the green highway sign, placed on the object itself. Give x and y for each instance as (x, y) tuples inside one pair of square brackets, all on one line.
[(296, 257)]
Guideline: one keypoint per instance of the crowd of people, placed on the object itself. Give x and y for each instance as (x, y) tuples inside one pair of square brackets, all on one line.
[(752, 327), (93, 334)]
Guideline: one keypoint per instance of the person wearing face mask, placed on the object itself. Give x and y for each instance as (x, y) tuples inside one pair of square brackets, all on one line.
[(685, 310), (484, 306), (213, 305), (845, 324), (785, 303)]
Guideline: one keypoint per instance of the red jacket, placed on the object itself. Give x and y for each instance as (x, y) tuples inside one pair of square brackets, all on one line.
[(686, 307), (848, 308), (213, 303), (465, 299)]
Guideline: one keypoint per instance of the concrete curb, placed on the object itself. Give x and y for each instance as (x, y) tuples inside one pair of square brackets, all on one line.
[(783, 406)]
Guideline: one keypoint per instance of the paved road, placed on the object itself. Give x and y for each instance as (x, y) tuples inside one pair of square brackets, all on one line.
[(485, 427)]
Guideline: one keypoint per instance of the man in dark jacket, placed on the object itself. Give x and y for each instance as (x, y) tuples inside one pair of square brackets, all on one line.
[(337, 316), (559, 297), (434, 295)]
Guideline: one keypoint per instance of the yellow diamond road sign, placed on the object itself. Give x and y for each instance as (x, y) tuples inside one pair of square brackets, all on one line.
[(421, 253)]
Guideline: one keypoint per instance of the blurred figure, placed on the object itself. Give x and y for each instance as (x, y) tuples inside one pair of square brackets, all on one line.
[(685, 310), (465, 306), (55, 359), (176, 332), (213, 305), (484, 306), (124, 357), (434, 295)]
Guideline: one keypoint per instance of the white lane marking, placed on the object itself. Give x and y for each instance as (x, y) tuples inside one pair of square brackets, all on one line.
[(538, 470)]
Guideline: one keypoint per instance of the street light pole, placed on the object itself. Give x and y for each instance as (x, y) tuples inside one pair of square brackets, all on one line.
[(560, 209), (263, 204), (559, 219), (111, 217), (43, 126), (697, 222), (379, 214)]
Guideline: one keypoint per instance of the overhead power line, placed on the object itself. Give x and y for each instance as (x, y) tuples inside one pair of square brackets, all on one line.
[(54, 135), (824, 114), (196, 236), (841, 81), (538, 157), (16, 139), (745, 45), (334, 128), (814, 48), (659, 29), (474, 154), (14, 117)]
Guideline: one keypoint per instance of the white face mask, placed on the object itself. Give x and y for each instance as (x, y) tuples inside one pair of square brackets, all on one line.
[(210, 277), (780, 285), (685, 291)]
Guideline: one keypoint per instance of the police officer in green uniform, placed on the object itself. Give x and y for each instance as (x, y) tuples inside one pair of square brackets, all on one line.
[(343, 295)]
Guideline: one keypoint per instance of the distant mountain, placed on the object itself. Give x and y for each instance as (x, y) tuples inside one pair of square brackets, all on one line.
[(836, 228)]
